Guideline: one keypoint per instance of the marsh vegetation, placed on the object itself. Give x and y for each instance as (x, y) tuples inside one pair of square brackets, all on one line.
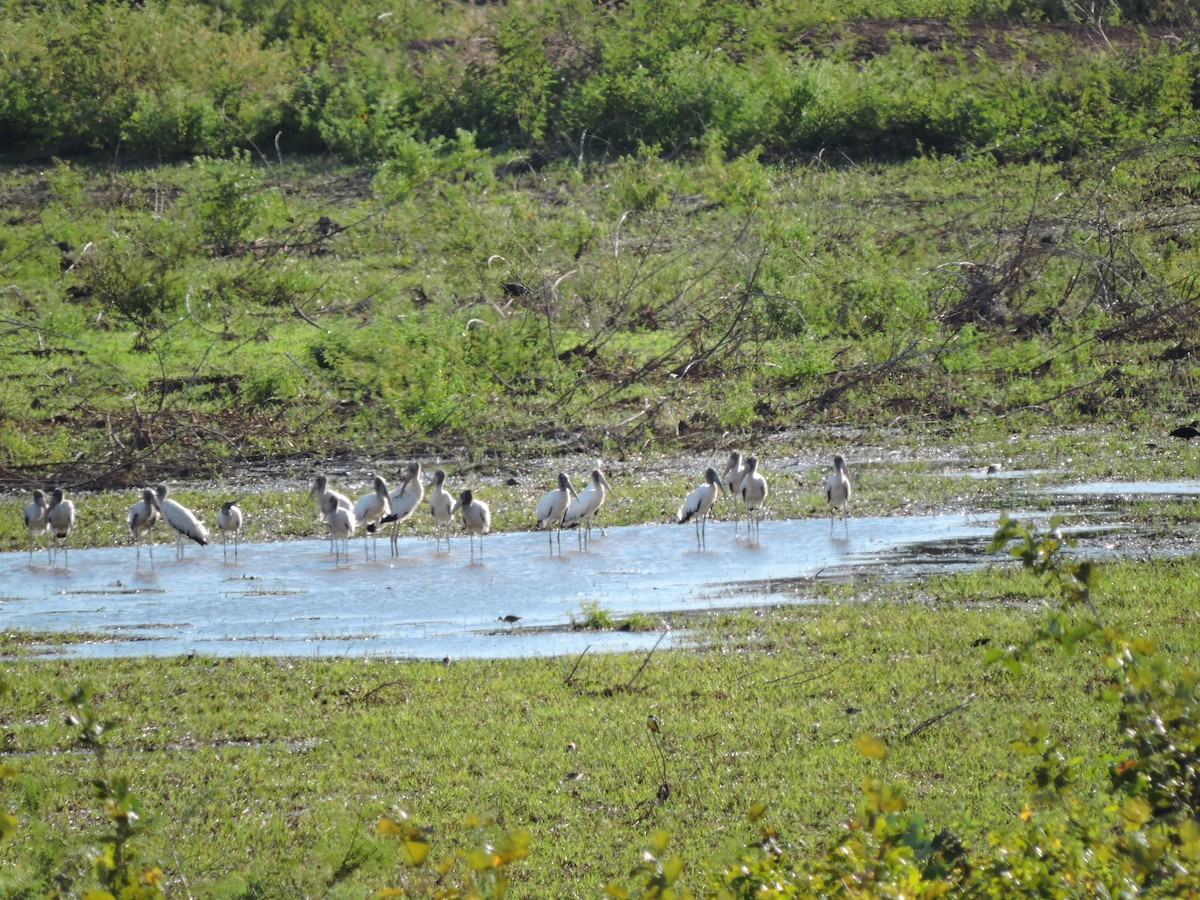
[(257, 236)]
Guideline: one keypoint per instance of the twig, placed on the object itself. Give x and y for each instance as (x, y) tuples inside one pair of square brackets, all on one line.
[(645, 661), (933, 720), (575, 668), (806, 680), (379, 687)]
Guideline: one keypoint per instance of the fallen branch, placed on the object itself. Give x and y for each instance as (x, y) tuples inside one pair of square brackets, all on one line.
[(933, 720), (645, 661)]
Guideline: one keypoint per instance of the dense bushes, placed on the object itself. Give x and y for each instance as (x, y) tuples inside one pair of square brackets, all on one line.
[(171, 80)]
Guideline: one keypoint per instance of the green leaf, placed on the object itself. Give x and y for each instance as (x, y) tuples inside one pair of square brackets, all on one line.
[(8, 826), (870, 746), (1136, 812)]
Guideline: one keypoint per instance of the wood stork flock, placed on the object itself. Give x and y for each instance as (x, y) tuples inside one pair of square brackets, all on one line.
[(52, 517)]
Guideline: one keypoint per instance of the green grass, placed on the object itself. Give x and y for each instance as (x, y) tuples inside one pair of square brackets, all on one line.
[(265, 776)]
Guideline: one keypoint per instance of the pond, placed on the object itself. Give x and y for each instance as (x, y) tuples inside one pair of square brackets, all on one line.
[(290, 598)]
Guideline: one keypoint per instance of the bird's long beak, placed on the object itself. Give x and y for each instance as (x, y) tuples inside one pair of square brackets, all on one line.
[(457, 504), (604, 481)]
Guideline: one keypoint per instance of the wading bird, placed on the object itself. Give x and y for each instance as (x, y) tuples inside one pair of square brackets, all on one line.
[(371, 509), (61, 516), (37, 523), (183, 520), (441, 507), (837, 492), (698, 503), (342, 525), (584, 507), (229, 520), (1187, 432), (732, 478), (754, 495), (405, 499), (321, 490), (141, 518), (476, 518), (553, 506)]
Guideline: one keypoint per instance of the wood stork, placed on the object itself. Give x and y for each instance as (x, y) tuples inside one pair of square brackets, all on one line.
[(183, 520), (141, 518), (37, 522), (584, 507), (342, 525), (405, 499), (837, 492), (476, 518), (321, 489), (754, 495), (698, 503), (553, 506), (229, 520), (441, 507), (61, 516), (370, 510), (731, 478)]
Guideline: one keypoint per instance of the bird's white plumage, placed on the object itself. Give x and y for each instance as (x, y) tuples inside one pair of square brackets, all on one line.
[(61, 519), (141, 519), (37, 522), (553, 506), (229, 521), (476, 518), (586, 504), (731, 478), (321, 490), (837, 490), (698, 503), (370, 509), (441, 506), (754, 494), (185, 522), (405, 500), (342, 525)]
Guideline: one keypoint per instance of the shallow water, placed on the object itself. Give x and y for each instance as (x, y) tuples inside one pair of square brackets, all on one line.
[(289, 598)]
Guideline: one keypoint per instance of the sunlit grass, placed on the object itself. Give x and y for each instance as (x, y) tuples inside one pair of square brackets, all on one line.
[(247, 764)]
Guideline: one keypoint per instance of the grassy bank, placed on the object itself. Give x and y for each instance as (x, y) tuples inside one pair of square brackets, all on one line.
[(266, 777)]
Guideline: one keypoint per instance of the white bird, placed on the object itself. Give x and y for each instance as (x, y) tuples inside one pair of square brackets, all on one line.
[(441, 507), (342, 525), (229, 520), (476, 518), (183, 520), (754, 495), (321, 489), (372, 508), (553, 506), (584, 507), (37, 522), (698, 503), (732, 478), (837, 492), (61, 516), (142, 517), (405, 499)]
